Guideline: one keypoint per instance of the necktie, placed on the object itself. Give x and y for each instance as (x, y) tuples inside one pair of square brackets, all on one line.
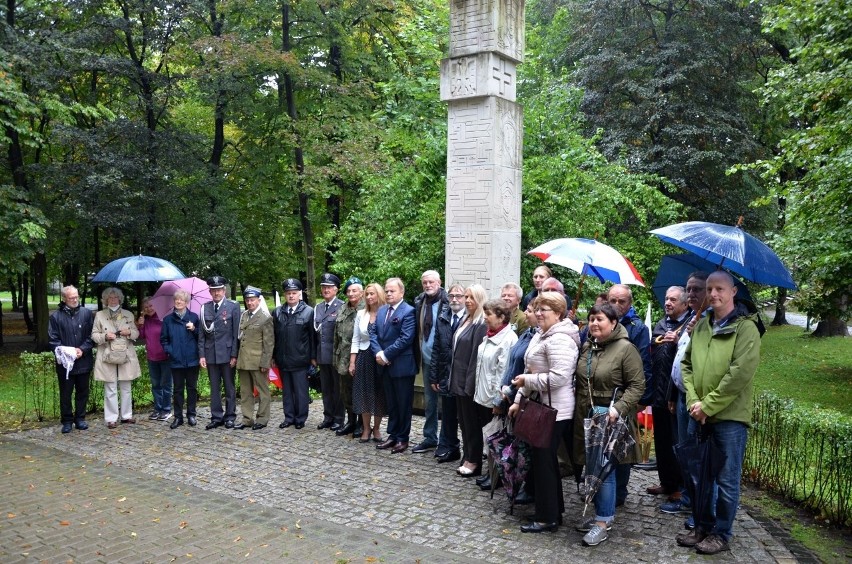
[(292, 310), (390, 314), (455, 322), (215, 308)]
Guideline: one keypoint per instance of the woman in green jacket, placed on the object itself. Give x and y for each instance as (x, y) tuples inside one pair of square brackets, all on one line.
[(607, 361)]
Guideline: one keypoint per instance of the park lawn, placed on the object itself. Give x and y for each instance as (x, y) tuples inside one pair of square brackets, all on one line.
[(808, 370)]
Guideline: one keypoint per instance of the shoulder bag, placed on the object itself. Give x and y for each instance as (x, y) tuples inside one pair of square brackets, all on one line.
[(534, 422)]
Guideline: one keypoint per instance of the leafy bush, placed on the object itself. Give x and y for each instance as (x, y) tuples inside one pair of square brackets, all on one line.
[(803, 453)]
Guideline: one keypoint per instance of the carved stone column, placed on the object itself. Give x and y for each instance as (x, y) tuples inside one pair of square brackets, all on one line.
[(484, 149)]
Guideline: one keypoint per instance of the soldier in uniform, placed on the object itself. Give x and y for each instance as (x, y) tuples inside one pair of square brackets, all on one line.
[(294, 352), (256, 341), (343, 330), (325, 317), (217, 350)]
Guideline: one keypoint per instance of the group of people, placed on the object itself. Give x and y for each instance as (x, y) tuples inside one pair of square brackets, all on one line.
[(478, 358)]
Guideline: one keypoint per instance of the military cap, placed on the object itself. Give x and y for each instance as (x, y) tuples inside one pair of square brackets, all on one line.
[(217, 282), (329, 279), (292, 284), (352, 280), (252, 292)]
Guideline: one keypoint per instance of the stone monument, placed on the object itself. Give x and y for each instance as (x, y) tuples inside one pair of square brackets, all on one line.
[(485, 135)]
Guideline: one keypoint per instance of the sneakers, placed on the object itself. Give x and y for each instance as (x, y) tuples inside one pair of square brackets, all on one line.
[(596, 536), (691, 539), (164, 416), (154, 415), (587, 525), (674, 507), (689, 524), (714, 544)]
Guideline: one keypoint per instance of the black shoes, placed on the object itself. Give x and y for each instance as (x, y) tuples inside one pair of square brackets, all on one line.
[(299, 425), (66, 428), (213, 425), (325, 425), (192, 420), (423, 447), (345, 430), (229, 424), (389, 443), (82, 425), (450, 456), (536, 527), (258, 426), (177, 422), (284, 425), (238, 426), (523, 498)]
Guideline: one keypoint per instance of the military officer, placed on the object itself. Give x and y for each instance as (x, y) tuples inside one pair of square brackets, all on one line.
[(294, 352), (343, 330), (257, 339), (325, 317), (217, 350)]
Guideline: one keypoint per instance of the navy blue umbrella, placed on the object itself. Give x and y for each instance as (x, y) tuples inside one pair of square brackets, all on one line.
[(138, 268), (674, 270), (729, 247)]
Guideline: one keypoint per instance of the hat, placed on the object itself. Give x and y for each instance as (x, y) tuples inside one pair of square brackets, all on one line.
[(352, 280), (216, 282), (329, 279), (292, 284), (252, 292)]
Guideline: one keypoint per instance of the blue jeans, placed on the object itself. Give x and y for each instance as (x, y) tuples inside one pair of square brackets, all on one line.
[(161, 384), (605, 500), (430, 397), (729, 437)]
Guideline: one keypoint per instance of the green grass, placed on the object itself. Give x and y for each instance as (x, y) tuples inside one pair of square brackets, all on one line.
[(808, 370)]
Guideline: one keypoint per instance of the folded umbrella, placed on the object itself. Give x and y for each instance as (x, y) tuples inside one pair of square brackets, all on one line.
[(700, 461), (606, 444)]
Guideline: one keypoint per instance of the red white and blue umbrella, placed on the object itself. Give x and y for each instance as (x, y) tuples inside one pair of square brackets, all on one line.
[(590, 258)]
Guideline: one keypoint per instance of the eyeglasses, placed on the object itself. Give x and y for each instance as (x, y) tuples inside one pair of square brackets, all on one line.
[(542, 309), (455, 296)]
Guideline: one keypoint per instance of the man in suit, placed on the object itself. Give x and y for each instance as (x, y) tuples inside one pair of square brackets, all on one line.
[(218, 343), (426, 307), (256, 341), (325, 317), (393, 345), (294, 352), (449, 319)]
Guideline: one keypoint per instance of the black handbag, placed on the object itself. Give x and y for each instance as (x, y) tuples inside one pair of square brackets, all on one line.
[(534, 421)]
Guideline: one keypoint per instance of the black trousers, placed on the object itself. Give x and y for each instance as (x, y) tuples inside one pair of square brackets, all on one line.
[(185, 380), (399, 396), (448, 439), (667, 466), (332, 404), (295, 397), (76, 385), (472, 418), (222, 374), (547, 482)]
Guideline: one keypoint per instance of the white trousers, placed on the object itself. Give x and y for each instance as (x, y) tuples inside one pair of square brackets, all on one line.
[(111, 390)]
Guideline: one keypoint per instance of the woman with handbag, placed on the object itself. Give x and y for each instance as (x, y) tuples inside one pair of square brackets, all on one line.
[(466, 341), (608, 361), (551, 359), (116, 364)]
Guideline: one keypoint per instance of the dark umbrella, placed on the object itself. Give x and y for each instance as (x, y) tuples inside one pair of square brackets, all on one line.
[(138, 268), (606, 444), (511, 463), (729, 247), (700, 461), (674, 270)]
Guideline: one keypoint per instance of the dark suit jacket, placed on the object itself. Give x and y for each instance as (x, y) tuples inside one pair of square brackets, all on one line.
[(221, 342), (396, 338)]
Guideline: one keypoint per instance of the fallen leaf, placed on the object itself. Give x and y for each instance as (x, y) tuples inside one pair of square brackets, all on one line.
[(65, 523), (284, 529), (157, 520), (238, 539), (11, 515), (122, 498), (506, 531), (183, 524), (133, 535), (371, 559), (27, 457), (298, 524)]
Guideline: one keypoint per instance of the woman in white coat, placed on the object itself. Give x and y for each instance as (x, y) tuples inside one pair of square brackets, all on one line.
[(116, 364)]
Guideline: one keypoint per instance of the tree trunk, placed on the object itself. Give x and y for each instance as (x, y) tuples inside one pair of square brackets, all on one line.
[(216, 24), (831, 327), (13, 288), (289, 99), (39, 293), (780, 307), (25, 302)]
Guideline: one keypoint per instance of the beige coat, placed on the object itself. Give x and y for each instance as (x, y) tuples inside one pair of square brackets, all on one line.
[(106, 322), (257, 338)]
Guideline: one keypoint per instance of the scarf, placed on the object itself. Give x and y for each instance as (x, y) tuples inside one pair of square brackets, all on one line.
[(489, 333), (428, 320)]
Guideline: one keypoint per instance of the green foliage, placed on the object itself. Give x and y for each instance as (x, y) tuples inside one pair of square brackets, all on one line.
[(812, 166)]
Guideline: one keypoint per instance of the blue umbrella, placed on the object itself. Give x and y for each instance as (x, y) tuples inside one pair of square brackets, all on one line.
[(674, 270), (729, 247), (138, 268)]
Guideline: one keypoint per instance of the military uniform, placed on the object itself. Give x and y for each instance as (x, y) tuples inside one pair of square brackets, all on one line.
[(325, 317), (257, 339), (218, 343)]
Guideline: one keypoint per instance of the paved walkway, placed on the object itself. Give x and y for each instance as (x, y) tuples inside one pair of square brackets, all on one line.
[(145, 493)]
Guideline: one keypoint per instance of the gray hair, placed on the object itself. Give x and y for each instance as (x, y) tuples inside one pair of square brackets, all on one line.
[(65, 290), (183, 294), (623, 287), (431, 274), (112, 291), (681, 290), (513, 286)]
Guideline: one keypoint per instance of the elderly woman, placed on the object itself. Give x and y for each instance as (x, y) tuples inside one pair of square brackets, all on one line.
[(466, 341), (492, 357), (116, 365), (179, 339), (551, 360), (607, 361), (540, 274), (159, 367), (368, 396)]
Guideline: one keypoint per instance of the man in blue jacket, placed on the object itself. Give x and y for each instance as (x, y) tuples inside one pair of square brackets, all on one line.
[(393, 345), (71, 326)]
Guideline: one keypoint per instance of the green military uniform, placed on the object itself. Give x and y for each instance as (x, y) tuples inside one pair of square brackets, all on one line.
[(343, 330), (256, 341)]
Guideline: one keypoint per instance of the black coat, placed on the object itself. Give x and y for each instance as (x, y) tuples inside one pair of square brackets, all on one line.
[(72, 327), (295, 338), (662, 359), (442, 349)]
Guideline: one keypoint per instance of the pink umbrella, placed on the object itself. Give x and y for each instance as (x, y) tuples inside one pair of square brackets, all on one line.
[(163, 299)]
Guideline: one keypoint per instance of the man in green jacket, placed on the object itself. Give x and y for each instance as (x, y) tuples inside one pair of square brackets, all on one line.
[(718, 374), (343, 363)]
